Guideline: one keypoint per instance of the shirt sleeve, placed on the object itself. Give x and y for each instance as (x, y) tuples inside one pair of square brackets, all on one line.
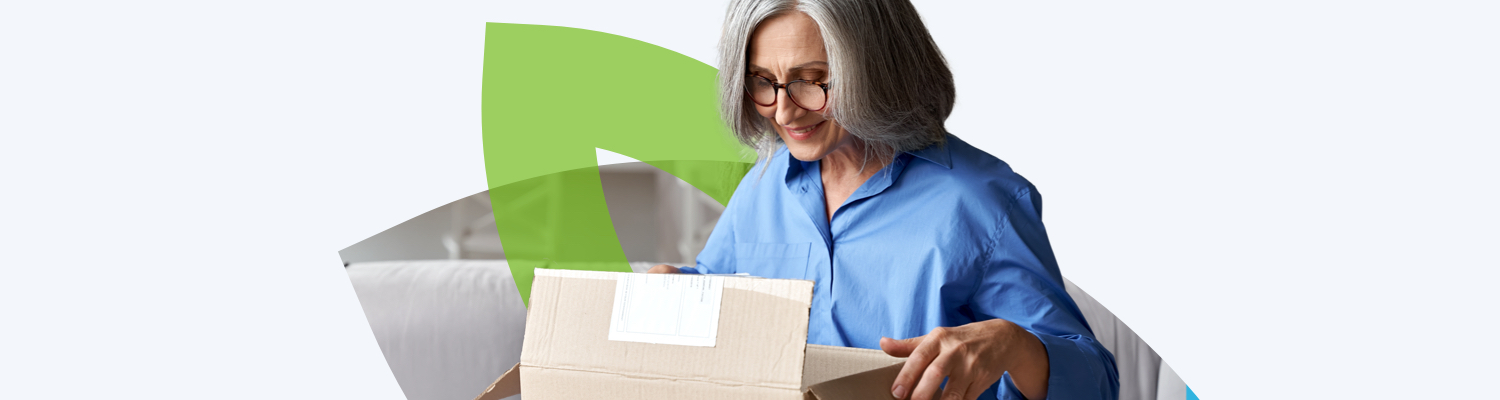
[(1022, 284)]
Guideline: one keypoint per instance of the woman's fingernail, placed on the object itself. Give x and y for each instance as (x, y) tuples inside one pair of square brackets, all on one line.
[(899, 392)]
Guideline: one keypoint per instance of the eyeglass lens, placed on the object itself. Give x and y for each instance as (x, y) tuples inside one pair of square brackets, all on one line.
[(805, 94)]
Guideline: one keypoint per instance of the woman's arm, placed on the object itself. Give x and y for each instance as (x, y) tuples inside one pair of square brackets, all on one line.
[(1076, 366), (1022, 285), (1029, 328)]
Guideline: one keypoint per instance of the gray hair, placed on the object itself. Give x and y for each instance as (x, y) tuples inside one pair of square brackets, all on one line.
[(889, 86)]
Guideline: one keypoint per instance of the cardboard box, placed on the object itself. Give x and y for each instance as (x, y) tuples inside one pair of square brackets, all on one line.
[(760, 351)]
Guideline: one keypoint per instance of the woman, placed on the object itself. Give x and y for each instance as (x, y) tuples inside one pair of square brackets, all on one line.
[(907, 231)]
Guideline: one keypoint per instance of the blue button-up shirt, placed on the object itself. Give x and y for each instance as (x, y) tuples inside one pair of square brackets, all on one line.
[(941, 237)]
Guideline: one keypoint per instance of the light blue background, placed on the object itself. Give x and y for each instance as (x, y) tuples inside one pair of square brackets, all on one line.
[(178, 179)]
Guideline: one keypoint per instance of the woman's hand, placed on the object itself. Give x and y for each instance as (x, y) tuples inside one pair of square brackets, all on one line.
[(664, 269), (972, 357)]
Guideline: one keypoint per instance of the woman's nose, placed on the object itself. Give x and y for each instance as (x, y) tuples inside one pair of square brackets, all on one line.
[(786, 110)]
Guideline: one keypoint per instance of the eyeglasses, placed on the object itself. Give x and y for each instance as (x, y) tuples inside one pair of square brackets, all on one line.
[(810, 95)]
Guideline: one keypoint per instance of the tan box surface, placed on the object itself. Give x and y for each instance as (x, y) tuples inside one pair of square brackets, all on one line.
[(761, 350)]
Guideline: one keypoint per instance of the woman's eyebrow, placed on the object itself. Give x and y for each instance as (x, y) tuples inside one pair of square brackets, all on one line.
[(810, 64), (799, 67)]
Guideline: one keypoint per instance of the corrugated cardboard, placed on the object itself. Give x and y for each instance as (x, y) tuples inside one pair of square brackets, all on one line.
[(761, 352)]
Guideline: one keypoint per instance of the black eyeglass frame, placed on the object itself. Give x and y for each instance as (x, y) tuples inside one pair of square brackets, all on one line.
[(776, 92)]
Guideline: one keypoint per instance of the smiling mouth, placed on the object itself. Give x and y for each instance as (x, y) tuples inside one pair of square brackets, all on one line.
[(802, 133)]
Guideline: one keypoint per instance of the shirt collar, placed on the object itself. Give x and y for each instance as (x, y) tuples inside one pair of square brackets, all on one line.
[(937, 153), (794, 166)]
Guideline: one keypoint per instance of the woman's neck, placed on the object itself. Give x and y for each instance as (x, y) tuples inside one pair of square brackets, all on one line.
[(844, 170), (849, 164)]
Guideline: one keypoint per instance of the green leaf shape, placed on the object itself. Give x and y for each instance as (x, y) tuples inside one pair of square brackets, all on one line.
[(551, 95)]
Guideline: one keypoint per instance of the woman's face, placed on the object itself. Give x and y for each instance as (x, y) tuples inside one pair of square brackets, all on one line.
[(788, 48)]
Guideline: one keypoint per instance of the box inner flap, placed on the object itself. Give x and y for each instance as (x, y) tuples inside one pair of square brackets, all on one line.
[(508, 384), (761, 335), (872, 384), (825, 363)]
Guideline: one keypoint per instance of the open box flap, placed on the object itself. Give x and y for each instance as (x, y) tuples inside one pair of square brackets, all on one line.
[(873, 384), (507, 385), (826, 363)]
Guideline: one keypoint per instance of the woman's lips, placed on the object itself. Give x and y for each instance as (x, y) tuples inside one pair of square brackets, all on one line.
[(802, 133)]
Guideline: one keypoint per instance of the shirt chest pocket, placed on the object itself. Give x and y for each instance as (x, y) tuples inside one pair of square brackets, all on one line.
[(773, 260)]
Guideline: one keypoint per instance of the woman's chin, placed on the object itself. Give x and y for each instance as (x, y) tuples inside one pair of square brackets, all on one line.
[(805, 153), (811, 145)]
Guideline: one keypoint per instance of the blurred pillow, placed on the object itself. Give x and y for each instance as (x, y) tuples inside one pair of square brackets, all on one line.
[(447, 328), (1138, 364)]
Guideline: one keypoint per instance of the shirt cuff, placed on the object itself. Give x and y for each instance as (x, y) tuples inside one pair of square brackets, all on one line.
[(688, 270), (1077, 368)]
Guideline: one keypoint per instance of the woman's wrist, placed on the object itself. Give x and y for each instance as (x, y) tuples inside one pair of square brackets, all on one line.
[(1025, 358)]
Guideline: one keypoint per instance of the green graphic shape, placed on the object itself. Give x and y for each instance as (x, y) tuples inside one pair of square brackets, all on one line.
[(552, 95)]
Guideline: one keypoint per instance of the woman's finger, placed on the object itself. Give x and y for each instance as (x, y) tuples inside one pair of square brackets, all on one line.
[(959, 379), (900, 348), (663, 269), (926, 351), (932, 378)]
